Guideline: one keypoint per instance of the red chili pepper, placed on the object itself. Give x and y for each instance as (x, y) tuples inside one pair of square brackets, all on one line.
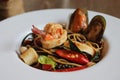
[(73, 56), (46, 67), (71, 69)]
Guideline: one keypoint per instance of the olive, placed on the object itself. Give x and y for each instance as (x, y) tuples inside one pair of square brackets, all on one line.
[(96, 29), (79, 20), (63, 66)]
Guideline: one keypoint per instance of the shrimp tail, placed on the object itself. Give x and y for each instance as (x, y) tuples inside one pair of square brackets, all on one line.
[(35, 30)]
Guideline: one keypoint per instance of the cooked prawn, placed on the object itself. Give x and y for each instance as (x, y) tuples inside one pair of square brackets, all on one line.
[(53, 35)]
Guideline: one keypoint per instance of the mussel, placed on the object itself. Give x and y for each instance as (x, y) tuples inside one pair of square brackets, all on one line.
[(79, 20), (96, 29)]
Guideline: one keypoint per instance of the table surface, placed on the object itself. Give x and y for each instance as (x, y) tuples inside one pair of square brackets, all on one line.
[(110, 7)]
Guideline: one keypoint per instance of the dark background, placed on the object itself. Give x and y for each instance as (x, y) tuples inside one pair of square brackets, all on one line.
[(111, 7), (10, 8)]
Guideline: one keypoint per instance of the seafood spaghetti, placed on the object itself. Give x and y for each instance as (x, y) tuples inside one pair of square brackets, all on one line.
[(58, 49)]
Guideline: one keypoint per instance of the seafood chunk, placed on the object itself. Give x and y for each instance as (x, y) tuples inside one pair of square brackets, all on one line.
[(55, 30), (78, 21), (29, 56), (85, 48), (53, 35), (96, 29)]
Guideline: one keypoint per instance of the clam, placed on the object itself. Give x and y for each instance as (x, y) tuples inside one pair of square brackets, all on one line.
[(96, 29), (78, 20)]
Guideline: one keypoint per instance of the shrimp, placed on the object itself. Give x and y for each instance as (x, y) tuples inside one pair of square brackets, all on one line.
[(53, 35)]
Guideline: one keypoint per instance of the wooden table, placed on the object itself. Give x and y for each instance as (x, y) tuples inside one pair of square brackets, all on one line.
[(111, 7)]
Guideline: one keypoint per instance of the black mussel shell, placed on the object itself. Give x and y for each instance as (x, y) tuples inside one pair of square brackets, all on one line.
[(79, 20), (96, 29)]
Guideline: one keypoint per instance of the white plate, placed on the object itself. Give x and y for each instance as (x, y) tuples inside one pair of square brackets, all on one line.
[(13, 30)]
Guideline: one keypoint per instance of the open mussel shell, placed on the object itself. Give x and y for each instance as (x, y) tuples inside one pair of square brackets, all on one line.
[(79, 20), (96, 29)]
